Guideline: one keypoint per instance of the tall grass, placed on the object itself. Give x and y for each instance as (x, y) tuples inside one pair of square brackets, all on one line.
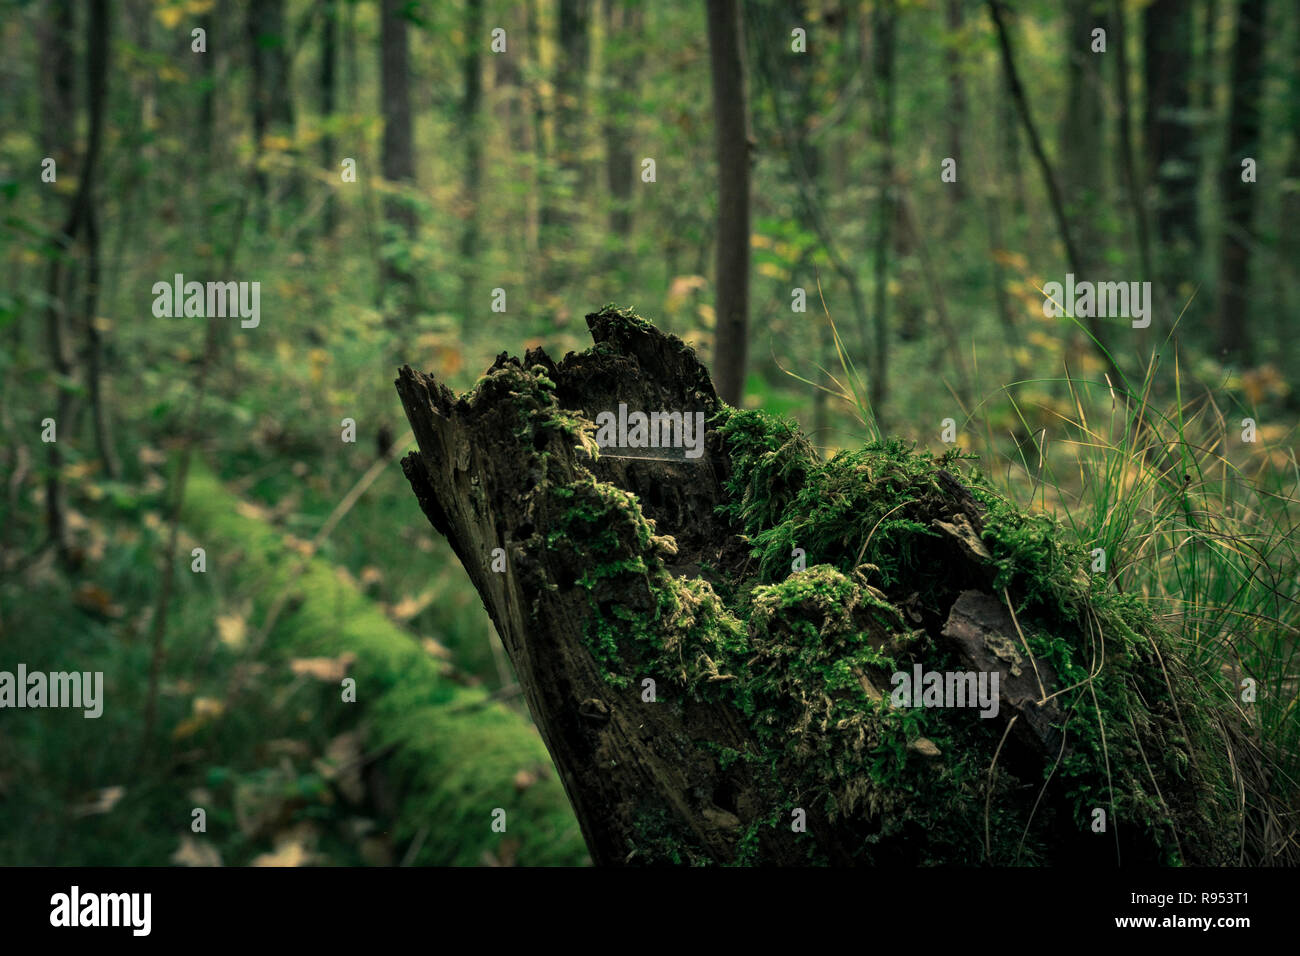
[(1197, 521)]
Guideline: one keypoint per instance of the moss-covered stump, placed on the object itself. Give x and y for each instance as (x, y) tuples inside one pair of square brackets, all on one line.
[(775, 601)]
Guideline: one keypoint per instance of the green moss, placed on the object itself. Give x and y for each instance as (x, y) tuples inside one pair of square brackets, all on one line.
[(453, 754)]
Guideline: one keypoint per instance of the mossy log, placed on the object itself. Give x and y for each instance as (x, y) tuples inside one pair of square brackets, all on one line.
[(772, 732), (453, 753)]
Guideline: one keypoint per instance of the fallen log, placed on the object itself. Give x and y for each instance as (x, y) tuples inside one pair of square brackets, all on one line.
[(715, 649), (453, 754)]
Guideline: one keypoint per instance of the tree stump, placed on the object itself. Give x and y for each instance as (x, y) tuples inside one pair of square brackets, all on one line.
[(715, 649)]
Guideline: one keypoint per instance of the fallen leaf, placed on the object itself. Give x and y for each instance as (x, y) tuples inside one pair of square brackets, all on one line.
[(435, 649), (99, 801), (330, 669), (93, 598), (342, 764), (194, 852), (233, 630), (408, 607), (289, 854)]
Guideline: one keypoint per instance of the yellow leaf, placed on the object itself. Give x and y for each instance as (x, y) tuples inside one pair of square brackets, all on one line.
[(169, 16), (233, 630), (208, 707), (291, 853), (193, 852), (408, 607), (100, 801), (329, 669)]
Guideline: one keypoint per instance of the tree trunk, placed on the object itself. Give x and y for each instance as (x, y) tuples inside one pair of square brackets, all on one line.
[(1072, 256), (732, 138), (564, 179), (1127, 160), (704, 705), (623, 41), (885, 21), (329, 55), (956, 119), (207, 68), (58, 94), (1170, 135), (398, 156), (271, 102), (1236, 344), (1082, 163), (472, 131), (58, 107)]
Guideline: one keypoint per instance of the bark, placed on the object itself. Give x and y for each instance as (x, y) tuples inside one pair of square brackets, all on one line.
[(472, 128), (732, 138), (1081, 132), (1127, 160), (398, 155), (623, 24), (1169, 131), (57, 95), (956, 119), (207, 68), (81, 225), (1236, 344), (1073, 258), (620, 569), (883, 135), (329, 55), (271, 102), (564, 176), (57, 112)]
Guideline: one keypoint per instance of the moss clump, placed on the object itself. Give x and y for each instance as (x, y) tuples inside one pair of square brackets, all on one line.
[(1141, 737)]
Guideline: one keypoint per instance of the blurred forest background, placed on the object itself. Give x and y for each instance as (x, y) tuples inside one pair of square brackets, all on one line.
[(409, 185)]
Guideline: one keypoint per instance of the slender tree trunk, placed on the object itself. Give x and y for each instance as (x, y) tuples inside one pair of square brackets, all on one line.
[(883, 136), (471, 129), (623, 21), (732, 139), (1289, 238), (329, 43), (58, 93), (1009, 138), (1082, 162), (1127, 160), (98, 47), (956, 119), (1171, 136), (398, 156), (271, 102), (1072, 257), (1236, 344), (564, 186), (207, 96), (58, 114)]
